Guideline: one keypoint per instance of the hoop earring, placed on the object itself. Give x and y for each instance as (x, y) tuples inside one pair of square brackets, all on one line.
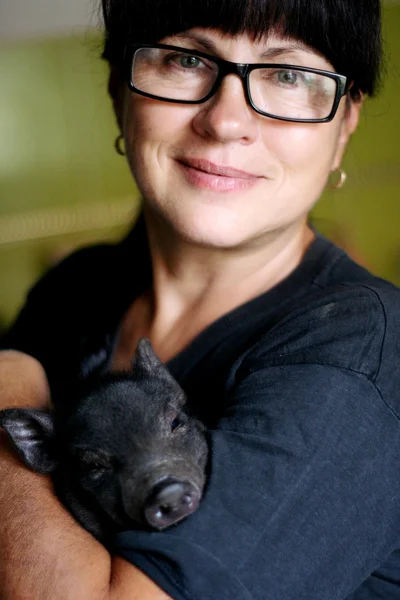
[(118, 145), (341, 181)]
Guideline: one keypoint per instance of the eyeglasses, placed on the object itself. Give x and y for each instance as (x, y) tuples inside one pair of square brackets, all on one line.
[(279, 91)]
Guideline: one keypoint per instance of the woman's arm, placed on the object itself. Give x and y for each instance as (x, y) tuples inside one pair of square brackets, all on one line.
[(23, 381), (44, 553), (302, 499)]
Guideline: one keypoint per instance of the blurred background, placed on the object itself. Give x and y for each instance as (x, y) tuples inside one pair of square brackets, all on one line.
[(63, 185)]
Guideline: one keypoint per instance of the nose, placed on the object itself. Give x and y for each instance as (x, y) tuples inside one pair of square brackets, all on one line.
[(171, 501), (227, 116)]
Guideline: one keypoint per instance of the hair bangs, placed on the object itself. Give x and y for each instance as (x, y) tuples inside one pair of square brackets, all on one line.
[(346, 32)]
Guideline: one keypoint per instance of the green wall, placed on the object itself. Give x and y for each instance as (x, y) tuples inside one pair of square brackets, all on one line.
[(367, 209), (62, 184), (61, 181)]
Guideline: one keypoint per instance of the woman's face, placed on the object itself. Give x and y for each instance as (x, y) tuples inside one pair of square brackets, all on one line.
[(221, 174)]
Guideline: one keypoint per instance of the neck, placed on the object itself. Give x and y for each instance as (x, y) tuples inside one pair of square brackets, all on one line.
[(194, 285)]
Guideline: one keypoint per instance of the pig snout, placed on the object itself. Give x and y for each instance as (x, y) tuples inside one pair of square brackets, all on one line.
[(170, 501)]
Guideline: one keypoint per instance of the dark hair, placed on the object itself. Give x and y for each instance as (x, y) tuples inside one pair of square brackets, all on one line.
[(346, 32)]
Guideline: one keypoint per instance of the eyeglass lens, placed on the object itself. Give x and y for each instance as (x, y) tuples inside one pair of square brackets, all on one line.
[(282, 92)]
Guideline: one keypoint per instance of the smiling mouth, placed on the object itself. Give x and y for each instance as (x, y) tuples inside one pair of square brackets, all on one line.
[(204, 175), (215, 170)]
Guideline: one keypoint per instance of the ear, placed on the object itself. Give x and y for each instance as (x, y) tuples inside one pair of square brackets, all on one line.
[(31, 432), (348, 126), (148, 365), (147, 362)]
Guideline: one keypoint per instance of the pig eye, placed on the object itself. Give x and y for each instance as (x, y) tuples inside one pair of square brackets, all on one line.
[(174, 418), (93, 471), (96, 473), (176, 423), (93, 465)]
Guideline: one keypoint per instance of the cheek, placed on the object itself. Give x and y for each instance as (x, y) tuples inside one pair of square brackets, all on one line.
[(140, 131), (306, 151), (148, 129), (148, 124)]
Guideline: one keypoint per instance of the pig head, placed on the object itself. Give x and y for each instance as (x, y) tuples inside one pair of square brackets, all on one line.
[(123, 452)]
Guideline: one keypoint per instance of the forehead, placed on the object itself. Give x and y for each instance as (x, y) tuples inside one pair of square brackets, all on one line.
[(244, 48)]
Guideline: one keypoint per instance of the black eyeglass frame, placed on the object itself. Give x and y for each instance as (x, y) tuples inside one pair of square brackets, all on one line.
[(243, 70)]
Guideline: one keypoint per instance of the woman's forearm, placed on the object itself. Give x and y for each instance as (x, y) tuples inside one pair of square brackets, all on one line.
[(44, 553)]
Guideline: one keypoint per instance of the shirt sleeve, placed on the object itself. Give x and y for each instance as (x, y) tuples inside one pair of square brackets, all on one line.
[(302, 501)]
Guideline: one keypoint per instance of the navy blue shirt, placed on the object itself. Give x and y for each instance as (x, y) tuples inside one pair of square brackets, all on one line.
[(300, 388)]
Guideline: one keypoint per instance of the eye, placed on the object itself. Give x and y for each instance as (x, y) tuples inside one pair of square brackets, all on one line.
[(174, 418), (94, 472), (93, 464), (184, 61), (176, 423), (190, 61), (287, 77)]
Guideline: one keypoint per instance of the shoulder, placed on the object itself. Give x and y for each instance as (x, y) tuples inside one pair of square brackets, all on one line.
[(94, 274), (77, 270), (73, 311), (335, 351), (346, 318), (60, 307)]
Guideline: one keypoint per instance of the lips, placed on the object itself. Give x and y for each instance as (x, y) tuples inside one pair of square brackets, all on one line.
[(213, 169), (207, 176)]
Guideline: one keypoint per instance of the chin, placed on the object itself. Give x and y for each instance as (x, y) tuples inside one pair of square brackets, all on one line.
[(212, 220), (217, 231)]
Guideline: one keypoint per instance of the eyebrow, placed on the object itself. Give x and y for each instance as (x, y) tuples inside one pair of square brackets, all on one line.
[(198, 39), (269, 53)]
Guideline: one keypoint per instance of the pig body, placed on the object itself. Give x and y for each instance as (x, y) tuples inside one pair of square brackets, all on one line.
[(123, 452)]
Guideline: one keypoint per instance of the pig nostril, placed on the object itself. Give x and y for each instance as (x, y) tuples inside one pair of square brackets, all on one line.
[(187, 499), (170, 502), (165, 509)]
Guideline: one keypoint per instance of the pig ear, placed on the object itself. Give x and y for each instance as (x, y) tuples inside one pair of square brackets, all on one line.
[(147, 364), (31, 433)]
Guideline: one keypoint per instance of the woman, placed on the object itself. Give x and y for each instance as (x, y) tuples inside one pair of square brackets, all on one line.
[(233, 116)]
